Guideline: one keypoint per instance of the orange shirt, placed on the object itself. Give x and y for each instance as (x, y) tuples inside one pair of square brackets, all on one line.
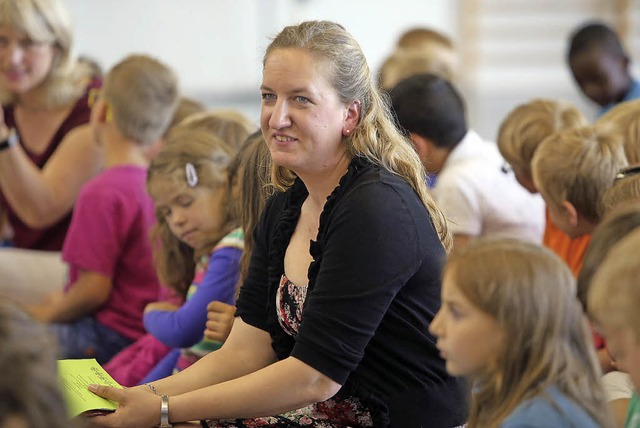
[(570, 250)]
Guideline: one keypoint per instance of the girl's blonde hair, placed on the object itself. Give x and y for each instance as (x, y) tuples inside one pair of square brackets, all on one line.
[(210, 157), (48, 21), (376, 136), (531, 293)]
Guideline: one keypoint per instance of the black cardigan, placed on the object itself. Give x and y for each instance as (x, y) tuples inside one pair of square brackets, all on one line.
[(374, 287)]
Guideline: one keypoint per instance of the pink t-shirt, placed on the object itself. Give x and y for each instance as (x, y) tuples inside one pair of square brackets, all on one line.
[(109, 234)]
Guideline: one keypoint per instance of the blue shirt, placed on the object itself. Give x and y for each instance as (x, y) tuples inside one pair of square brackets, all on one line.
[(550, 410), (632, 94)]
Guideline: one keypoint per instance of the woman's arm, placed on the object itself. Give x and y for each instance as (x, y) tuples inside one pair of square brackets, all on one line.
[(42, 197), (241, 380), (185, 326)]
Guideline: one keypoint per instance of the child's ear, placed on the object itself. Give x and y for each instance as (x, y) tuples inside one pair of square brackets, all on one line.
[(571, 213), (101, 112)]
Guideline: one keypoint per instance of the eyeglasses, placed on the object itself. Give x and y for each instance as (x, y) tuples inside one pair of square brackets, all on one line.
[(627, 172)]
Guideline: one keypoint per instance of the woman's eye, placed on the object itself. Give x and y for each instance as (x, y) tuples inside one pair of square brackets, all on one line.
[(268, 97), (301, 99)]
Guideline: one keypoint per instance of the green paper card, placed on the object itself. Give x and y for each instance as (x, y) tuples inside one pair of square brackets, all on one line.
[(75, 376)]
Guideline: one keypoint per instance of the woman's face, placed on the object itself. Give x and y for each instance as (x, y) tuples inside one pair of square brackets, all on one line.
[(468, 339), (24, 63), (302, 117)]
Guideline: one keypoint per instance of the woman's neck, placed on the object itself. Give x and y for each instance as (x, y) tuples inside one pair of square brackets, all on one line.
[(32, 101), (321, 185)]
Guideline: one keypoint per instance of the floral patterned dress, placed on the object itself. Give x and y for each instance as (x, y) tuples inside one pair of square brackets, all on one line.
[(335, 412)]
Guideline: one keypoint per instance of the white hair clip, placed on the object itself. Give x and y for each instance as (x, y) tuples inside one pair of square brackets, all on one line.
[(192, 175)]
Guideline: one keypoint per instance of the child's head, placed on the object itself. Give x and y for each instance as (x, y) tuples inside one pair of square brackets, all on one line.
[(186, 107), (599, 63), (430, 107), (31, 395), (624, 191), (230, 125), (188, 181), (526, 126), (615, 226), (140, 95), (572, 169), (510, 321), (614, 299), (419, 50), (625, 118)]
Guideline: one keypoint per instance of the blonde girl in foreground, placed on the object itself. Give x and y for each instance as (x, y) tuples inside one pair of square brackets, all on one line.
[(511, 324)]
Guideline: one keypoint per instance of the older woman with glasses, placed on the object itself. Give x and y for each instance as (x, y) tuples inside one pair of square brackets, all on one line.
[(46, 150)]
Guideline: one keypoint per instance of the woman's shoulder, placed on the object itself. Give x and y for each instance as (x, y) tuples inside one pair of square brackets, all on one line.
[(549, 409)]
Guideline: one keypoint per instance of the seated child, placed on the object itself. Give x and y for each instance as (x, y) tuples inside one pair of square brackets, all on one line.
[(519, 136), (31, 395), (130, 366), (572, 169), (613, 302), (625, 118), (600, 65), (475, 194), (111, 273), (201, 243), (624, 191), (615, 226), (419, 50), (510, 324)]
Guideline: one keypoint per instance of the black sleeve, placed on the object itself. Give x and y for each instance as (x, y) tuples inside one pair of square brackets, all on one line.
[(369, 251)]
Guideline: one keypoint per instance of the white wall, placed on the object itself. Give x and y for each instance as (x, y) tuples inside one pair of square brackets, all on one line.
[(216, 45)]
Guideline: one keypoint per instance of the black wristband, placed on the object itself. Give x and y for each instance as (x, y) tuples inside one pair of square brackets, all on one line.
[(11, 140)]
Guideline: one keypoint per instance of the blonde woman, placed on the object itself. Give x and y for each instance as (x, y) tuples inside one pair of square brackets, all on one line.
[(344, 277), (46, 149)]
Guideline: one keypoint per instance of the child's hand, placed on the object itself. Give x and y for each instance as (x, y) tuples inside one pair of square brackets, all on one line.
[(220, 318), (160, 306), (44, 311)]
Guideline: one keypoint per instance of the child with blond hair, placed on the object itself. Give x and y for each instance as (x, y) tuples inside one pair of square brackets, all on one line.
[(613, 302), (572, 169), (519, 136), (625, 118), (624, 191), (615, 226), (511, 325), (107, 248)]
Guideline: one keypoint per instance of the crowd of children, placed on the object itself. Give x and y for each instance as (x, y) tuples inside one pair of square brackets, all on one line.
[(530, 320)]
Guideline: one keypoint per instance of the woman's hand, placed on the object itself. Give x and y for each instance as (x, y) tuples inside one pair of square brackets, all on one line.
[(138, 407), (220, 317)]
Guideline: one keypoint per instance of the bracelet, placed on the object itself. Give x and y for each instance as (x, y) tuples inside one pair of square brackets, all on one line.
[(153, 389), (11, 140), (164, 413)]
